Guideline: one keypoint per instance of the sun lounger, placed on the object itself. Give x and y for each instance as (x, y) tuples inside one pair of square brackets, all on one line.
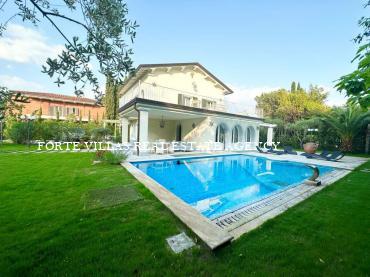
[(325, 155), (262, 151), (272, 151), (335, 156), (289, 150)]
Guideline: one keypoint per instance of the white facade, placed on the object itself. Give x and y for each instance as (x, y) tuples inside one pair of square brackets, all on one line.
[(183, 102)]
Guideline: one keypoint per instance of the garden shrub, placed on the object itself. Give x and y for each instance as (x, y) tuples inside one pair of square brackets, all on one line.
[(111, 157), (99, 155), (22, 132), (100, 134), (49, 130), (115, 157), (75, 134)]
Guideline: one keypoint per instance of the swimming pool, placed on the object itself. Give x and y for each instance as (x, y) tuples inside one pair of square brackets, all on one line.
[(221, 184)]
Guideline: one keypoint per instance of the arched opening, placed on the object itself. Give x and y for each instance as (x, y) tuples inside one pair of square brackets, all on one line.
[(236, 134), (220, 134), (248, 134)]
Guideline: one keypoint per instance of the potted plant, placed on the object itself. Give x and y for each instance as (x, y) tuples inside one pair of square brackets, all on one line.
[(310, 146)]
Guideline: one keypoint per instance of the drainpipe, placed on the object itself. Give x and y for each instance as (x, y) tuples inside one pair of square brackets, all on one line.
[(138, 128)]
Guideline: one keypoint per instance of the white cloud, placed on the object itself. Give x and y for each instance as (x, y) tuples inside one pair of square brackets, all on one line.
[(15, 82), (25, 45)]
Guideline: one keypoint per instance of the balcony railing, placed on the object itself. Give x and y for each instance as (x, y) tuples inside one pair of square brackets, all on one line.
[(198, 100)]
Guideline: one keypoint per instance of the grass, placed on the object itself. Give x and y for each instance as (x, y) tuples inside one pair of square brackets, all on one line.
[(9, 147), (45, 229), (6, 147), (109, 197)]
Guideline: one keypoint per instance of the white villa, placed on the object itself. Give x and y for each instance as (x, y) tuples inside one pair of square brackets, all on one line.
[(184, 102)]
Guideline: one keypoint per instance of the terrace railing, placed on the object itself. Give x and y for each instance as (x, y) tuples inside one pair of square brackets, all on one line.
[(196, 100)]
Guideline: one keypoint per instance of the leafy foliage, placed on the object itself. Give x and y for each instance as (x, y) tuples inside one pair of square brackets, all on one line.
[(10, 103), (291, 106), (111, 157), (22, 132), (296, 133), (108, 32), (49, 130), (357, 84), (293, 87), (348, 122), (111, 98), (101, 133)]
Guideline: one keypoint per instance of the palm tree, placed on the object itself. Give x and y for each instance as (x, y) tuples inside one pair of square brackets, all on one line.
[(348, 122)]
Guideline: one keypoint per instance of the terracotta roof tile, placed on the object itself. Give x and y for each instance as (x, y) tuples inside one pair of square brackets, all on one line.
[(56, 97)]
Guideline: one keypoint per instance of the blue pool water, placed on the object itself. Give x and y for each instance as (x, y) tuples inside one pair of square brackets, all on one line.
[(218, 185)]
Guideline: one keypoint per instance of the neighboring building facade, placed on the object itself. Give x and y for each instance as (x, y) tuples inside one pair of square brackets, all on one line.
[(183, 102), (53, 106)]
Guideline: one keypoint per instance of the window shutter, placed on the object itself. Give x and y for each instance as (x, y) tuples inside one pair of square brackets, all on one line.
[(180, 98), (204, 103)]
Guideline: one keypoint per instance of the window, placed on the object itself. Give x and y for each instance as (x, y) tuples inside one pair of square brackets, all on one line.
[(208, 104), (195, 102), (187, 101), (220, 134), (63, 111)]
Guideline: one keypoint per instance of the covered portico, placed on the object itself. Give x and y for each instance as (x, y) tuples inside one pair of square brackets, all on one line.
[(147, 121), (149, 124)]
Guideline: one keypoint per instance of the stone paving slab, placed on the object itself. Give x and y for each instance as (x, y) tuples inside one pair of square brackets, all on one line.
[(347, 162), (180, 242)]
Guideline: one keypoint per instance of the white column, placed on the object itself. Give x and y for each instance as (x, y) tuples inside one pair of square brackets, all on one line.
[(124, 126), (144, 126), (270, 135), (256, 137)]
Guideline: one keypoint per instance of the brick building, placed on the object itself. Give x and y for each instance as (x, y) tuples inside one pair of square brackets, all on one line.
[(52, 106)]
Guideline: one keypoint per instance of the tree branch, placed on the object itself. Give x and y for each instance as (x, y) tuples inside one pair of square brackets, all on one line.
[(2, 4), (65, 17), (51, 21)]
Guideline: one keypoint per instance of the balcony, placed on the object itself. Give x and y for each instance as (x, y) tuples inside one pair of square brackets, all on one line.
[(185, 98)]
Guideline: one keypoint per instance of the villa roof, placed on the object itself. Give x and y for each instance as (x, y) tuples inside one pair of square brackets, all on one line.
[(56, 97), (142, 69)]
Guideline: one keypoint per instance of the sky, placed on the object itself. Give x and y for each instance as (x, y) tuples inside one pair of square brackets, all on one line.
[(252, 46)]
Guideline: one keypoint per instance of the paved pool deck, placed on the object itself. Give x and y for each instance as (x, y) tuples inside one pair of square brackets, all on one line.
[(231, 226)]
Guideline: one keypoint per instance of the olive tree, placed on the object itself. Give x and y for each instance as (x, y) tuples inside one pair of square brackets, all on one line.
[(108, 36)]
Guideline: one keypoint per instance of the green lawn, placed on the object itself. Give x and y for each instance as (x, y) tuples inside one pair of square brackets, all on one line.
[(11, 147), (45, 230)]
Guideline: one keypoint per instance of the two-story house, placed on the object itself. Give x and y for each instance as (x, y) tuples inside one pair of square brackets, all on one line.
[(183, 102), (60, 106)]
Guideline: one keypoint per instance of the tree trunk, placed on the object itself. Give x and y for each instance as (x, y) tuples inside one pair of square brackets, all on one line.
[(346, 144)]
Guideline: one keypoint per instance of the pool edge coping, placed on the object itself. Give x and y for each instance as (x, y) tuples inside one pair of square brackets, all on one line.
[(248, 226), (204, 228)]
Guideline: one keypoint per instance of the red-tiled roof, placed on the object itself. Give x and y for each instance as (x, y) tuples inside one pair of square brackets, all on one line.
[(56, 97)]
